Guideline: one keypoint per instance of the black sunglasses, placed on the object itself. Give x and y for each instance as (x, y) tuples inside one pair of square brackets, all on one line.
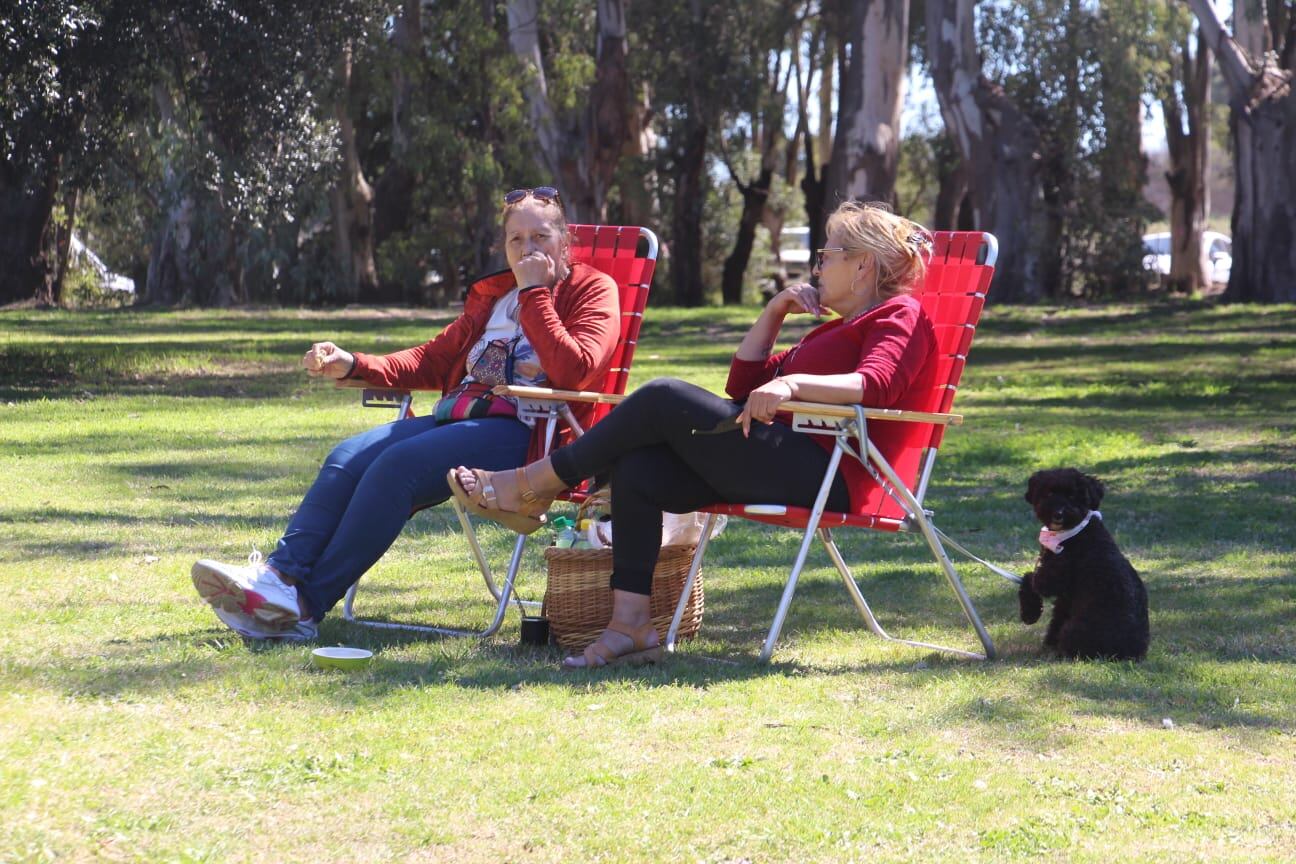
[(545, 194)]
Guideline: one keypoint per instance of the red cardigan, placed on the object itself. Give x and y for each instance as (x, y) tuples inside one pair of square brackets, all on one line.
[(574, 330), (893, 347)]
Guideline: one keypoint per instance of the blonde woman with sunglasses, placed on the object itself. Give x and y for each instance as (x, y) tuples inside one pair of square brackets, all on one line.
[(544, 321), (671, 446)]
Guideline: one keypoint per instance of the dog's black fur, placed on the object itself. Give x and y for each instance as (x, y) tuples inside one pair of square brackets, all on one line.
[(1101, 608)]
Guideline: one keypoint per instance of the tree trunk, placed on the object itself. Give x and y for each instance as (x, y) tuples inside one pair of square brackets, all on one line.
[(686, 225), (754, 196), (352, 202), (866, 150), (580, 151), (26, 204), (170, 269), (1189, 191), (998, 144), (1262, 121), (613, 124), (63, 245), (394, 191), (637, 177), (952, 180)]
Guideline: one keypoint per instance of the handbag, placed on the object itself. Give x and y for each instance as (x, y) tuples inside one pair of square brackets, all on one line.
[(473, 400)]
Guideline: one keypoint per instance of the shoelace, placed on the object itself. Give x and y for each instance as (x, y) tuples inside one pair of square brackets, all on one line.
[(255, 559)]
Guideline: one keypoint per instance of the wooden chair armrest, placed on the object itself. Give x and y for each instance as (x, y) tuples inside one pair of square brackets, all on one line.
[(819, 409), (824, 409), (545, 394)]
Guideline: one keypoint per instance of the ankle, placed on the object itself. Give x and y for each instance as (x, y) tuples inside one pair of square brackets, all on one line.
[(542, 479)]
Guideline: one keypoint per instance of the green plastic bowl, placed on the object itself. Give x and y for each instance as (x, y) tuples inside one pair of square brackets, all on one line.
[(338, 657)]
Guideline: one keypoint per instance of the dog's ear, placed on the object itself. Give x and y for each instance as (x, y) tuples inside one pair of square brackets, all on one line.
[(1031, 485), (1094, 488)]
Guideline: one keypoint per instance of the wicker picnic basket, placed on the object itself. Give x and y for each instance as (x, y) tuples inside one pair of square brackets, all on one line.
[(578, 598)]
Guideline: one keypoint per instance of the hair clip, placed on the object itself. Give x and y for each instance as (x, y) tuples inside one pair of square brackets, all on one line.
[(920, 242)]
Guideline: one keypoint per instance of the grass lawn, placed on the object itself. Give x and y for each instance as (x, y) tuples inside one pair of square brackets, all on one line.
[(134, 727)]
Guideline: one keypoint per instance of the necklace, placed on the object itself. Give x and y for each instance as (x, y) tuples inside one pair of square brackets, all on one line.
[(861, 313)]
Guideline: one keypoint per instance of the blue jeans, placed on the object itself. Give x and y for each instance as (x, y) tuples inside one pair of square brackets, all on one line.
[(369, 486)]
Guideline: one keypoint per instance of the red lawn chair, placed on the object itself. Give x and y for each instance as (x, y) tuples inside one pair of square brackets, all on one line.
[(952, 296), (629, 256)]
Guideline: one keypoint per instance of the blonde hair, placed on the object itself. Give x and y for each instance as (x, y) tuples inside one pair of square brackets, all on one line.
[(898, 247)]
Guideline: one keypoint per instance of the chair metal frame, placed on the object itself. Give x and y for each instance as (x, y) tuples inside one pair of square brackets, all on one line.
[(843, 423), (535, 404)]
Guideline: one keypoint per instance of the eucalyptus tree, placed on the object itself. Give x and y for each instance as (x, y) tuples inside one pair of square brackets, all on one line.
[(580, 134), (997, 141), (875, 58), (1257, 65)]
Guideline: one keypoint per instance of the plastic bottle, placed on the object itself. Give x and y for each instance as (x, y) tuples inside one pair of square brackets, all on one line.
[(566, 532)]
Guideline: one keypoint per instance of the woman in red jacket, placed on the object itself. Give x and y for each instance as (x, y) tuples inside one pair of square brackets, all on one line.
[(547, 322), (671, 446)]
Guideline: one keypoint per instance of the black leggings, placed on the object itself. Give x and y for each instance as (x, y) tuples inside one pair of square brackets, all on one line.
[(658, 464)]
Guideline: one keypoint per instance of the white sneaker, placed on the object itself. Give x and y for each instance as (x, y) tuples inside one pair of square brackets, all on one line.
[(255, 592), (248, 627)]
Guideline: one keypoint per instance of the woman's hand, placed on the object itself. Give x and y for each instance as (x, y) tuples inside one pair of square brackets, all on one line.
[(535, 268), (796, 299), (763, 403), (326, 360)]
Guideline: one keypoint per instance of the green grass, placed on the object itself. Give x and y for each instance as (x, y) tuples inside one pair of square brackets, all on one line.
[(133, 727)]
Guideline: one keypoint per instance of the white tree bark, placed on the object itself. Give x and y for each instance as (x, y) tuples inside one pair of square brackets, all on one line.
[(866, 150), (997, 143), (524, 39)]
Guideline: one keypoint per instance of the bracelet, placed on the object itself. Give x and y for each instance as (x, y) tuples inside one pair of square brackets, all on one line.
[(792, 390), (352, 369)]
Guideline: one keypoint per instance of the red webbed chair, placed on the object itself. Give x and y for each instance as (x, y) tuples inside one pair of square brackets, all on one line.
[(629, 255), (952, 295)]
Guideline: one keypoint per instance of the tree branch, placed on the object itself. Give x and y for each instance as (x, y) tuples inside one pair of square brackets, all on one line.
[(1238, 68)]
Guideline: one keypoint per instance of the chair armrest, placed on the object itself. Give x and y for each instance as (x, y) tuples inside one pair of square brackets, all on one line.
[(824, 409), (545, 394), (818, 409)]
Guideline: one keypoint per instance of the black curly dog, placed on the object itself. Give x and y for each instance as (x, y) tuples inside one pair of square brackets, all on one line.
[(1101, 608)]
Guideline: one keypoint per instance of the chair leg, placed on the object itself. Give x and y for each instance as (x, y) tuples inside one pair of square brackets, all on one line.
[(852, 588), (695, 567), (501, 595)]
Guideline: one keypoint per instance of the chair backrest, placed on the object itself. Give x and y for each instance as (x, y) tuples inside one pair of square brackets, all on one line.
[(629, 255), (952, 295)]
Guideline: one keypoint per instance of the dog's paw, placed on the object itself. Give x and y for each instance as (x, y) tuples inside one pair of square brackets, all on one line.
[(1030, 604)]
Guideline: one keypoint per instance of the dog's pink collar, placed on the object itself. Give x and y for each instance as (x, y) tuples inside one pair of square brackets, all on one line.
[(1053, 540)]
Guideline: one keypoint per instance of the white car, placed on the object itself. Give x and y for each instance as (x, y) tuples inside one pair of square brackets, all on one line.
[(795, 253), (1219, 249), (108, 280)]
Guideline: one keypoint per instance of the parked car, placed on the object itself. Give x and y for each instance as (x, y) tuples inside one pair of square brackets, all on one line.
[(108, 280), (795, 252), (1219, 250)]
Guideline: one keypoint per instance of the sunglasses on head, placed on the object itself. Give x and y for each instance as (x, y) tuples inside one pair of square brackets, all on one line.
[(544, 194)]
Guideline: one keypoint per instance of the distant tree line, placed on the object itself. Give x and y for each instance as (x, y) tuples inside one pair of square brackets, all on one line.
[(229, 151)]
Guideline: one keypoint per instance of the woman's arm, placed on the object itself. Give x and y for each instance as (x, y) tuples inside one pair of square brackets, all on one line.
[(759, 341), (574, 350)]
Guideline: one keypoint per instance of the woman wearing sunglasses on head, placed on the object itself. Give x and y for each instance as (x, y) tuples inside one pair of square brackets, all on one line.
[(671, 446), (548, 322)]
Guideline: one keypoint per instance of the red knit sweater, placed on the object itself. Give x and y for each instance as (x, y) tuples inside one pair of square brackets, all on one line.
[(574, 330), (893, 347)]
